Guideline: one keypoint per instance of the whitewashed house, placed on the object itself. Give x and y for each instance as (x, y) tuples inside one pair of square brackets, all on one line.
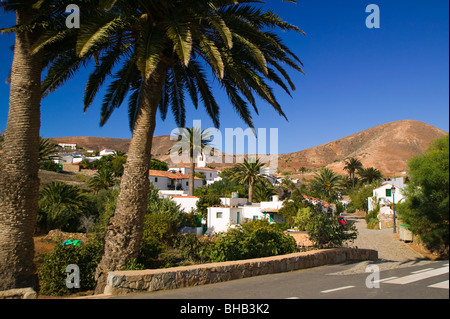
[(388, 193), (235, 211), (187, 203), (107, 152), (210, 174), (66, 146), (166, 180), (385, 194)]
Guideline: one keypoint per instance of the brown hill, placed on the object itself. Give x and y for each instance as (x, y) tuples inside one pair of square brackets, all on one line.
[(160, 149), (387, 147)]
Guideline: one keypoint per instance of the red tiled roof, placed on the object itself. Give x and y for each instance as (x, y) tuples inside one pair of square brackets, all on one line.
[(156, 173), (183, 196)]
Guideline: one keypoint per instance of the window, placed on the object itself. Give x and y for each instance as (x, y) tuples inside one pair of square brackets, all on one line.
[(255, 217), (156, 179), (388, 192), (187, 183), (219, 215)]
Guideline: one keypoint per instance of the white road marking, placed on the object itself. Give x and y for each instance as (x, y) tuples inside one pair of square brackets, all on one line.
[(293, 298), (422, 270), (336, 289), (419, 276), (442, 285), (384, 279)]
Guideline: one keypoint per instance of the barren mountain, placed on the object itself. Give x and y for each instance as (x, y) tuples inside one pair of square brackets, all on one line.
[(387, 147), (160, 148)]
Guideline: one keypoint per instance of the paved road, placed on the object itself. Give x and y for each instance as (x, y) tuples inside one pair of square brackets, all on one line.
[(414, 279), (403, 273)]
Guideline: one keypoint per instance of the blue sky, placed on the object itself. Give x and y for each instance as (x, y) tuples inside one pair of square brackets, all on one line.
[(357, 77)]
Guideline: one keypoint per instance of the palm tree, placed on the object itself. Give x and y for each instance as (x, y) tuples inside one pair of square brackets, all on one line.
[(102, 180), (303, 170), (46, 147), (369, 175), (264, 191), (159, 51), (327, 184), (19, 182), (194, 142), (352, 165), (249, 173), (61, 202)]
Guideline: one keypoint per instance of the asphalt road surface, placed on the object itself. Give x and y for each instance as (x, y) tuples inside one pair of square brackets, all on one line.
[(364, 280)]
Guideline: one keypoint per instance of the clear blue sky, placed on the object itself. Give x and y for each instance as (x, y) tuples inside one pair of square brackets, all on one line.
[(357, 77)]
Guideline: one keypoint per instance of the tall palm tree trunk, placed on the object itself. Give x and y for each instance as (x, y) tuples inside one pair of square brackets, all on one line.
[(125, 228), (250, 192), (191, 172), (19, 181)]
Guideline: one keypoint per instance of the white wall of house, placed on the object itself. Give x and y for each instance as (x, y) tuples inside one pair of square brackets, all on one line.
[(160, 182), (185, 183), (220, 218), (385, 196), (187, 203), (107, 152), (233, 201), (210, 175)]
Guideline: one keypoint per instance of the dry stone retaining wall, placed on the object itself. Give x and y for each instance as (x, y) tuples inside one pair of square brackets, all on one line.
[(123, 282)]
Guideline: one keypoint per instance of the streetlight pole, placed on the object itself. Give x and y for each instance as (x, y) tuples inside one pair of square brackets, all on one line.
[(393, 207)]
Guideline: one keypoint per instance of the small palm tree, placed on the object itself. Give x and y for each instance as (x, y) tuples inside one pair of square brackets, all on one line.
[(264, 191), (303, 170), (102, 180), (46, 147), (369, 175), (194, 141), (249, 173), (352, 165), (60, 202), (327, 184)]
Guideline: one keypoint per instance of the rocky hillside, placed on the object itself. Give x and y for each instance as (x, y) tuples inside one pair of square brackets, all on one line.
[(387, 147)]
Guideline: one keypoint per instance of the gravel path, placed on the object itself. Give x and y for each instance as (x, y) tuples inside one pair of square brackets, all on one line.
[(392, 252), (389, 247)]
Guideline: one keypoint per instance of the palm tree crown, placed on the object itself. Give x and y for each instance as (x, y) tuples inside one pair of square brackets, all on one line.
[(352, 165), (327, 184), (131, 39), (249, 173), (192, 141)]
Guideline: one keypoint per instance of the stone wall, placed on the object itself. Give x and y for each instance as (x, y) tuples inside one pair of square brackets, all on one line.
[(20, 293), (123, 282)]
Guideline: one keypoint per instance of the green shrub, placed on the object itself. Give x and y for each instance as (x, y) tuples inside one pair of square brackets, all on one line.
[(254, 239), (52, 273), (324, 230), (194, 248)]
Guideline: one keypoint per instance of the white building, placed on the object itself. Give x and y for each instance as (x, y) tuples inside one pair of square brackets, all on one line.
[(67, 158), (107, 152), (385, 195), (68, 146), (187, 203), (211, 175), (235, 211), (165, 180)]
